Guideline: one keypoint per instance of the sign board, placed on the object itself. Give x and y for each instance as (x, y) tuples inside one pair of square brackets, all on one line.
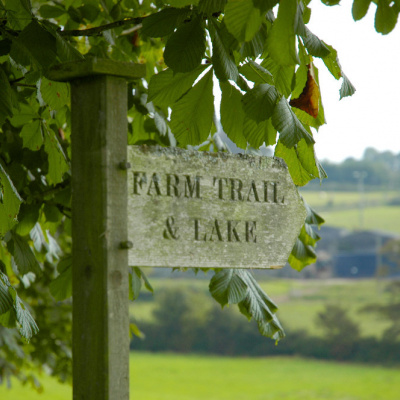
[(210, 210)]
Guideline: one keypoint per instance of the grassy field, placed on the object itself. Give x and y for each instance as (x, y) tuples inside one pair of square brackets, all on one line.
[(188, 377), (339, 199), (342, 209), (383, 218)]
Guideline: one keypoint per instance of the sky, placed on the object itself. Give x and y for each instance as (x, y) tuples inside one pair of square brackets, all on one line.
[(370, 118)]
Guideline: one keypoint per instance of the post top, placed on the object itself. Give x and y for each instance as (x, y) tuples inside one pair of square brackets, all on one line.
[(95, 66)]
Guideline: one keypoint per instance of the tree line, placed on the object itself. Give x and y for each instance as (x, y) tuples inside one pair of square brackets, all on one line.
[(375, 170), (184, 321)]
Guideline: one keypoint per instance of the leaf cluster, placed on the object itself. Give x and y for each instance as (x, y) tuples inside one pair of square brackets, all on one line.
[(256, 58)]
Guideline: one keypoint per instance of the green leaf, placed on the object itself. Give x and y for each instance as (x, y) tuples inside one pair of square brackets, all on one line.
[(301, 74), (164, 22), (55, 94), (181, 3), (5, 98), (48, 11), (232, 286), (32, 135), (301, 256), (265, 5), (301, 161), (39, 43), (299, 25), (313, 218), (259, 133), (18, 13), (283, 76), (360, 9), (242, 19), (227, 287), (347, 88), (28, 216), (6, 300), (23, 255), (186, 46), (281, 41), (331, 2), (61, 287), (5, 47), (58, 164), (38, 238), (332, 63), (135, 282), (253, 48), (259, 102), (160, 122), (254, 72), (65, 50), (27, 325), (23, 116), (232, 114), (222, 58), (9, 203), (315, 46), (166, 87), (211, 6), (192, 115), (287, 124), (303, 252), (386, 17)]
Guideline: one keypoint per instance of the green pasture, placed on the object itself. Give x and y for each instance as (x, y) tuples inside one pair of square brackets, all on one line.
[(321, 199), (371, 211), (190, 377), (384, 218), (304, 299)]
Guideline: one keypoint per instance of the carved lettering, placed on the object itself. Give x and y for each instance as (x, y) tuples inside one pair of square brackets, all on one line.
[(220, 186), (250, 231), (138, 179), (253, 190), (274, 195), (276, 200), (215, 230), (236, 231), (154, 185), (196, 229), (170, 232), (233, 235), (192, 189), (236, 191), (173, 185)]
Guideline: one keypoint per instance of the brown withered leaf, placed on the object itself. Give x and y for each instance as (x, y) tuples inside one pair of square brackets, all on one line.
[(309, 98)]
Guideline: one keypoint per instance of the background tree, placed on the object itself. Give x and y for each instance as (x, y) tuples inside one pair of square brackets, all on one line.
[(260, 52)]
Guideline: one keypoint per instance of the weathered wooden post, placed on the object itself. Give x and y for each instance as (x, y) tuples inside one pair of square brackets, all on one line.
[(99, 227), (186, 209)]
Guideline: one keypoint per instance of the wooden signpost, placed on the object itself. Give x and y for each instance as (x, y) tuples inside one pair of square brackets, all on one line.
[(170, 208)]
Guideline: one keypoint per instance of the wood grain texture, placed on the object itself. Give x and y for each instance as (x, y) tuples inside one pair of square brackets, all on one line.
[(194, 209), (100, 267)]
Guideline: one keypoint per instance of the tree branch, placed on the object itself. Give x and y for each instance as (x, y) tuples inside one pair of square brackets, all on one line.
[(99, 29)]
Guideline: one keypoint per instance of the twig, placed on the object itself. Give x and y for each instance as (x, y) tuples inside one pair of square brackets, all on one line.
[(131, 30), (99, 29)]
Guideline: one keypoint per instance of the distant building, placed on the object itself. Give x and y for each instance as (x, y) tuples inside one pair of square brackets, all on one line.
[(357, 254)]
